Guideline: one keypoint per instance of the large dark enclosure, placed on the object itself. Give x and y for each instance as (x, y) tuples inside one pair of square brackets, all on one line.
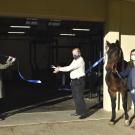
[(46, 42)]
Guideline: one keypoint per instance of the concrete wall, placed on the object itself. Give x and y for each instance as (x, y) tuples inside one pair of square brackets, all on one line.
[(93, 10), (120, 25), (127, 28)]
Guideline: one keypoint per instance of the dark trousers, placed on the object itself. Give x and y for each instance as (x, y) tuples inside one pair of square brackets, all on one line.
[(77, 86)]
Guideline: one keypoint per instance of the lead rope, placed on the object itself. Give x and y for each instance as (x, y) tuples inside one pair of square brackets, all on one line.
[(21, 76)]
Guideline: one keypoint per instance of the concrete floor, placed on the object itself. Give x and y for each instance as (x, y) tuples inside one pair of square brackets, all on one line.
[(62, 123)]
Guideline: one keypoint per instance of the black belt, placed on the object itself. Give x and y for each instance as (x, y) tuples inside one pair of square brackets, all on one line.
[(79, 78)]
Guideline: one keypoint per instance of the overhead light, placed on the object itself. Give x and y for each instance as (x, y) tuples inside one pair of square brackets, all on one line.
[(32, 21), (12, 32), (67, 34), (55, 20), (24, 27), (77, 29), (54, 23)]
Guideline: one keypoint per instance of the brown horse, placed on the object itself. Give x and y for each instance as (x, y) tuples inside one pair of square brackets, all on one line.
[(114, 82)]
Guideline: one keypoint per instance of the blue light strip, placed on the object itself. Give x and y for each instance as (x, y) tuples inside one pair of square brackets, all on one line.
[(29, 81), (20, 75), (94, 65)]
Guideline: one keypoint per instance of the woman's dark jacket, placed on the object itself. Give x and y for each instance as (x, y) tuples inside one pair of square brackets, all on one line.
[(129, 72)]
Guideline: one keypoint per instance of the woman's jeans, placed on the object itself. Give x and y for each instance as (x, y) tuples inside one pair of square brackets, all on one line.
[(133, 98)]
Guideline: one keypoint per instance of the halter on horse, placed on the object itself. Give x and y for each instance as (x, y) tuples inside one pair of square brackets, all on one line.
[(114, 82)]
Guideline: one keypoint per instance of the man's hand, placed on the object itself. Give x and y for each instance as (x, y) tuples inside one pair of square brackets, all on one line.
[(52, 66), (56, 69), (11, 59)]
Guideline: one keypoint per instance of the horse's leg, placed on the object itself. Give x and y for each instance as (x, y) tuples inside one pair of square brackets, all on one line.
[(113, 103), (124, 101)]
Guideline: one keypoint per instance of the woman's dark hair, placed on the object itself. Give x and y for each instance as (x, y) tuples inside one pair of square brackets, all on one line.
[(131, 61)]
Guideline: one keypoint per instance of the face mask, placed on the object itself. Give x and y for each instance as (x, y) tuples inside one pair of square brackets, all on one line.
[(133, 57), (76, 56)]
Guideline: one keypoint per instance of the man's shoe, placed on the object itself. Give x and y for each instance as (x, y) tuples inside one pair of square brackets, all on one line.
[(74, 114), (83, 116)]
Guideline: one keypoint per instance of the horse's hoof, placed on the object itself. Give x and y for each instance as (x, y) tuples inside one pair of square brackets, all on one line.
[(111, 122), (126, 122), (133, 126), (3, 116)]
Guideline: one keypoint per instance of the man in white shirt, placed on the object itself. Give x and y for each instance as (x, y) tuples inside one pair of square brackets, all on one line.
[(77, 75)]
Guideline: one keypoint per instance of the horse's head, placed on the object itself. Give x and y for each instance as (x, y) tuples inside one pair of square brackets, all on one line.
[(115, 55)]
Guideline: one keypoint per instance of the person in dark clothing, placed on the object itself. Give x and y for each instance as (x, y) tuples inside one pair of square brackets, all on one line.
[(130, 74)]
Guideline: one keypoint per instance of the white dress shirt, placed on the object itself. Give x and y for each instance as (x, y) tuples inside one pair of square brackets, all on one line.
[(76, 68)]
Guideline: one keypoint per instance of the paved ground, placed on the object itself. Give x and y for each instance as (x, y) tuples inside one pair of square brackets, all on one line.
[(62, 123), (60, 104)]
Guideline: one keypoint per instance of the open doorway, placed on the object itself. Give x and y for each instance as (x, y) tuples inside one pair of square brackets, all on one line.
[(42, 43)]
